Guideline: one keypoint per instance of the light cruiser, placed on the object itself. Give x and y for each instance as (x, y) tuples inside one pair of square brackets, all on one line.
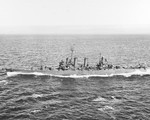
[(70, 67)]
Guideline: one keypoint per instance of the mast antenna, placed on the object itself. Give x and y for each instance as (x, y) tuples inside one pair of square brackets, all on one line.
[(100, 56)]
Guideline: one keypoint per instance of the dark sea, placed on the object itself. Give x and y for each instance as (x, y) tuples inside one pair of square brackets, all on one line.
[(37, 97)]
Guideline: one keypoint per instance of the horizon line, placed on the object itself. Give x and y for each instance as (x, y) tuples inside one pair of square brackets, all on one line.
[(75, 34)]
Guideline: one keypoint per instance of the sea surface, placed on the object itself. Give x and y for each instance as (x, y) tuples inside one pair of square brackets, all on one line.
[(36, 97)]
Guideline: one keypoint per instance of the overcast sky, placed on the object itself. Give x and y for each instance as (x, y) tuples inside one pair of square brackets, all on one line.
[(75, 16)]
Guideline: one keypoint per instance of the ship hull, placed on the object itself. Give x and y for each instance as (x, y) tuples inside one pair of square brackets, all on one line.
[(102, 73)]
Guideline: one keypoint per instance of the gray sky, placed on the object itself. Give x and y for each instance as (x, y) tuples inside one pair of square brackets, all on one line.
[(74, 16)]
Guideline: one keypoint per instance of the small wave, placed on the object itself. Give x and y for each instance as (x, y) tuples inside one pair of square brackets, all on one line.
[(2, 74), (116, 99), (35, 111), (109, 110), (106, 108), (37, 95), (3, 82), (110, 100), (51, 102), (100, 99), (126, 74)]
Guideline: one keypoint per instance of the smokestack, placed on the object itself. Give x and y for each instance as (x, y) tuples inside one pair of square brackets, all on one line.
[(85, 62), (75, 62), (67, 61)]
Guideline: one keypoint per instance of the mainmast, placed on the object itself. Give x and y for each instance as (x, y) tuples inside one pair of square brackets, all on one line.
[(72, 51), (100, 57)]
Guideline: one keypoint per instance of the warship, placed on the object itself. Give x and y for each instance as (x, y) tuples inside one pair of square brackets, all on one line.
[(70, 68)]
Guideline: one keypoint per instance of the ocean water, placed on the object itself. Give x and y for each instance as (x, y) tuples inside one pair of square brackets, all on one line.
[(37, 97)]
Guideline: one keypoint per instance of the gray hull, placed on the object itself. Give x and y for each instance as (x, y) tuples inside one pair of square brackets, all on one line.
[(102, 73)]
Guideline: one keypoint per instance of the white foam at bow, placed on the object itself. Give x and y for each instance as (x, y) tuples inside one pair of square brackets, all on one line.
[(24, 73)]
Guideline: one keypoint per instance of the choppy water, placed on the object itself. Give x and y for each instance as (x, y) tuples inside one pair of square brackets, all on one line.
[(54, 98)]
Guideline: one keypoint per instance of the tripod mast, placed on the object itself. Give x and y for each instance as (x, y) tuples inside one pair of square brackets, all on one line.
[(72, 51)]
